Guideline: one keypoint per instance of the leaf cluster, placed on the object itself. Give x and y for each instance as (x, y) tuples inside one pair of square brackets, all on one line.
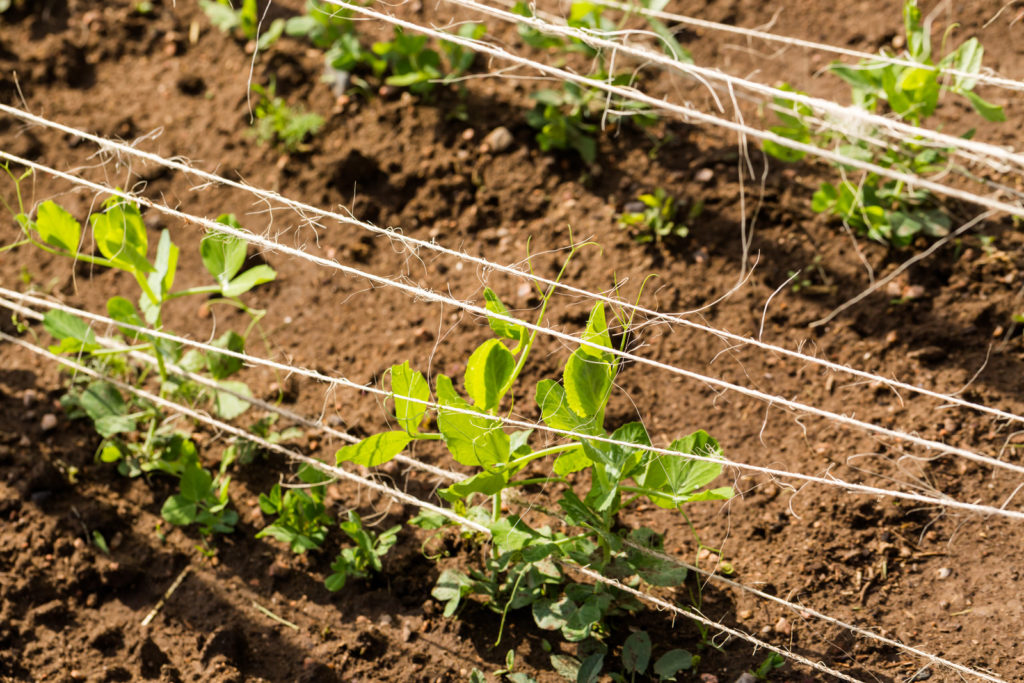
[(274, 120), (887, 210), (356, 562), (302, 520)]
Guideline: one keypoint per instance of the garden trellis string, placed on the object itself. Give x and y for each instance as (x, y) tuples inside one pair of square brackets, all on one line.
[(392, 234)]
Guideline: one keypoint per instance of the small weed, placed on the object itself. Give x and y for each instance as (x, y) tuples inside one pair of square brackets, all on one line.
[(275, 121), (357, 562), (656, 221), (302, 520), (245, 19)]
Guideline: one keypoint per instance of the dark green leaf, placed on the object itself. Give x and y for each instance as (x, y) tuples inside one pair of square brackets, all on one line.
[(991, 112), (195, 483), (590, 669), (222, 365), (552, 615), (73, 333), (672, 662), (636, 652), (179, 510)]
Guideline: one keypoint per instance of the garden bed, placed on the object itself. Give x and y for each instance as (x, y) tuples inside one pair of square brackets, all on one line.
[(943, 580)]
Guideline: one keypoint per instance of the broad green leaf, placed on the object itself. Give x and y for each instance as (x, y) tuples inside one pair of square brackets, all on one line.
[(109, 425), (623, 458), (121, 236), (222, 365), (179, 510), (783, 153), (486, 483), (73, 333), (488, 370), (227, 405), (406, 384), (102, 399), (257, 275), (518, 443), (991, 112), (597, 331), (501, 328), (590, 669), (588, 382), (552, 615), (123, 311), (636, 652), (671, 663), (57, 227), (555, 410), (474, 441), (374, 450), (567, 666), (571, 461), (668, 43), (450, 588), (511, 533), (679, 477), (223, 255), (195, 482), (162, 278), (916, 79), (966, 58)]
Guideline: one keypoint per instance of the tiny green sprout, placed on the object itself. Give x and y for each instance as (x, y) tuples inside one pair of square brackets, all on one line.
[(275, 121), (365, 557), (203, 500), (771, 663), (302, 520), (656, 222), (100, 542), (144, 8)]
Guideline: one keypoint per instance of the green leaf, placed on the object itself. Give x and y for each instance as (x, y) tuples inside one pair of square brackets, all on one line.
[(679, 477), (590, 669), (406, 384), (110, 425), (966, 58), (588, 383), (257, 275), (567, 666), (195, 483), (223, 255), (374, 450), (123, 311), (597, 333), (550, 614), (227, 405), (221, 16), (571, 461), (473, 441), (162, 278), (222, 365), (671, 663), (489, 368), (636, 652), (102, 399), (555, 410), (121, 236), (501, 328), (450, 588), (486, 483), (991, 112), (73, 333), (179, 510), (57, 227)]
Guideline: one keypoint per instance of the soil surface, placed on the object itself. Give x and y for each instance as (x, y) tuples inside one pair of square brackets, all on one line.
[(942, 580)]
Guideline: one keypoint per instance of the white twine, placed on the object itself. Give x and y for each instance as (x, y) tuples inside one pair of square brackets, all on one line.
[(390, 233), (908, 132), (312, 374)]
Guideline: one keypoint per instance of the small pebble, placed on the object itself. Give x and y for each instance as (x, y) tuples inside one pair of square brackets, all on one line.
[(49, 422), (708, 678), (747, 678), (943, 573), (498, 140), (468, 134), (745, 614), (783, 627), (704, 175), (29, 398)]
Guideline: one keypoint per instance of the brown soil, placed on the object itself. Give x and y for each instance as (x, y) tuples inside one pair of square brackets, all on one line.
[(947, 582)]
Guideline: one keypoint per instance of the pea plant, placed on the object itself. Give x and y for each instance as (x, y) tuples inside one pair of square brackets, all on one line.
[(526, 566), (887, 210), (567, 118), (274, 120), (655, 219), (137, 434)]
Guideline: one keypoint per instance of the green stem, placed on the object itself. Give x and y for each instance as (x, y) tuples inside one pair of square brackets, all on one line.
[(508, 605)]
